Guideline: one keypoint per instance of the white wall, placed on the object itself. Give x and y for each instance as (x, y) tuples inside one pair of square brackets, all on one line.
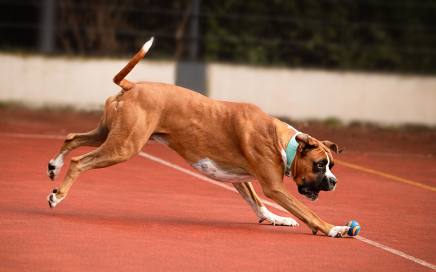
[(298, 94), (306, 94), (79, 82)]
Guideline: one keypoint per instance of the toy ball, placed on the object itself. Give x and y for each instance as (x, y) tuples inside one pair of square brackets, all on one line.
[(354, 228)]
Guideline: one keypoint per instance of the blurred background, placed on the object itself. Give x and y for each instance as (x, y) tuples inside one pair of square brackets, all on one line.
[(350, 60)]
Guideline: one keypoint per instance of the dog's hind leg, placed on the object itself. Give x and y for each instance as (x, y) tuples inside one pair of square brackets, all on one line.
[(74, 140), (248, 193), (129, 132)]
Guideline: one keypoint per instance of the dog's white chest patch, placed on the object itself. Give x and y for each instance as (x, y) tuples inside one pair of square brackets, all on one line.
[(210, 169)]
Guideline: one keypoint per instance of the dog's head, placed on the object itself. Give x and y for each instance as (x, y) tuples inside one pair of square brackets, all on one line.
[(312, 166)]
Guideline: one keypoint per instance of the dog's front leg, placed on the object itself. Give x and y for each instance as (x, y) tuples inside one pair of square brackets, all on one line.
[(274, 189), (248, 193)]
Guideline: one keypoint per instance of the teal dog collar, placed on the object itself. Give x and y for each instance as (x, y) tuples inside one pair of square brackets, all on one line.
[(291, 151)]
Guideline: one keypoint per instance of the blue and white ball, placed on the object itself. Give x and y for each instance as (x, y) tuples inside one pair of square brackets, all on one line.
[(354, 228)]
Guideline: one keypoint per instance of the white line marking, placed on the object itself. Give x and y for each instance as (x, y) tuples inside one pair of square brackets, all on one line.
[(186, 171), (200, 176), (272, 204), (396, 252), (32, 136), (47, 136), (223, 185)]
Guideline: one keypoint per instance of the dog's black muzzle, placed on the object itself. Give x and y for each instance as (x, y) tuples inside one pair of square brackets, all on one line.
[(311, 189), (327, 184)]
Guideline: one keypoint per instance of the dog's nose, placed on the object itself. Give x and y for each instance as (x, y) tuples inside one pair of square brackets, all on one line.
[(332, 181)]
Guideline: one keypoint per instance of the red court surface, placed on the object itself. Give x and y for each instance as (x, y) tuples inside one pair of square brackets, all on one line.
[(144, 216)]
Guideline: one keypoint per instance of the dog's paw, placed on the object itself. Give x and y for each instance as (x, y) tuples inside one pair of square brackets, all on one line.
[(53, 199), (51, 172), (54, 167), (276, 220), (338, 231)]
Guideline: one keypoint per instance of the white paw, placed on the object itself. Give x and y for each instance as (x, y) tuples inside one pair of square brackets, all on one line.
[(276, 220), (338, 231), (53, 200), (54, 167)]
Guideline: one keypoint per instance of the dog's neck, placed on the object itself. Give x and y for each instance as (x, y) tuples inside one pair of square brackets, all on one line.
[(291, 152), (288, 143)]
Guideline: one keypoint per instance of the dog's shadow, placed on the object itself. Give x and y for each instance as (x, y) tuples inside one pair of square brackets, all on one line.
[(143, 220)]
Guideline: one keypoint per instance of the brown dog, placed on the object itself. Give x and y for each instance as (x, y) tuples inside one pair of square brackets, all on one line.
[(233, 142)]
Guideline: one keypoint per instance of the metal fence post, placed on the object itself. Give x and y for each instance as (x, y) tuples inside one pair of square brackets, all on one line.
[(46, 29), (194, 30)]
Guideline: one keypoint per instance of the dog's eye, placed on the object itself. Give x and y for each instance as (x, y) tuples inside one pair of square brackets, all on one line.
[(320, 164)]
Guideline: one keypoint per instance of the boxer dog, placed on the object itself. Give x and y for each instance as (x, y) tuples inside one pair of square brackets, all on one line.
[(226, 141)]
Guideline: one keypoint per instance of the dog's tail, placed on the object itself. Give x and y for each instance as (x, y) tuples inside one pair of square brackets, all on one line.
[(119, 78)]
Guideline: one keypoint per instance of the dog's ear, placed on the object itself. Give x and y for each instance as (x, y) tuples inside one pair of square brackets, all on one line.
[(332, 146), (305, 142)]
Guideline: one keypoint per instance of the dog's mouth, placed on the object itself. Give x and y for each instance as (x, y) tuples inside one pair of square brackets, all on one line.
[(308, 192), (312, 195)]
